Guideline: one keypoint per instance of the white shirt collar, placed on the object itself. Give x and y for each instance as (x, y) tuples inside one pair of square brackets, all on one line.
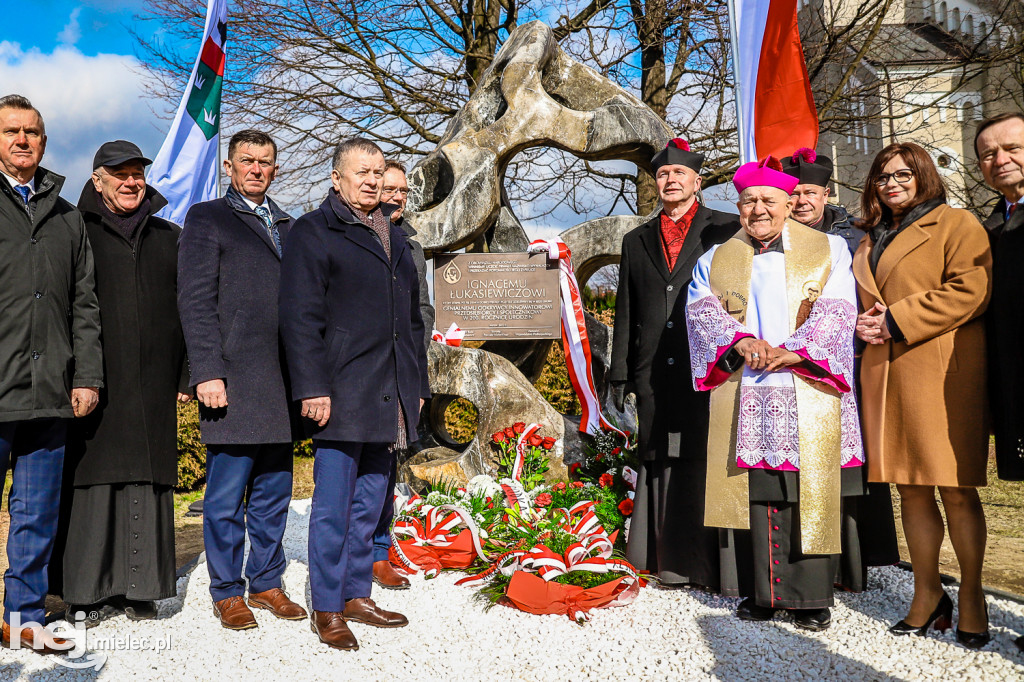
[(252, 204), (31, 184)]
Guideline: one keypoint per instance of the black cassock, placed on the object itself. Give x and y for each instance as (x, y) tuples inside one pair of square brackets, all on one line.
[(1005, 324), (651, 353), (117, 520)]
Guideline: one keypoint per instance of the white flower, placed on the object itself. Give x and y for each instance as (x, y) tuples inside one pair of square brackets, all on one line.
[(482, 485)]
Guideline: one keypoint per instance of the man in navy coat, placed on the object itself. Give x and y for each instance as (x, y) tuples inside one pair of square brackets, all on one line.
[(229, 263), (353, 337)]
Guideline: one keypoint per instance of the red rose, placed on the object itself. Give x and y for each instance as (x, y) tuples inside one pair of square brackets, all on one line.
[(558, 486), (605, 480), (599, 457), (616, 451), (510, 432), (543, 500), (499, 437), (626, 507), (535, 441), (573, 468), (576, 484), (519, 427), (548, 443), (628, 433)]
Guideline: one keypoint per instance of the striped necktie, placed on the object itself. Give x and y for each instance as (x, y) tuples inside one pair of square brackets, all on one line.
[(264, 214)]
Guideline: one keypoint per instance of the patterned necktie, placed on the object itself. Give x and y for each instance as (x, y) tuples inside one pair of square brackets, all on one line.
[(23, 191), (264, 214)]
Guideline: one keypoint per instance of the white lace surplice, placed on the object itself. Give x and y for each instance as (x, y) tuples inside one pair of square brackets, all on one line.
[(768, 436)]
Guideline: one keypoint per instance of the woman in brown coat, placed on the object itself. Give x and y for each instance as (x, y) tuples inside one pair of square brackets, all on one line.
[(923, 275)]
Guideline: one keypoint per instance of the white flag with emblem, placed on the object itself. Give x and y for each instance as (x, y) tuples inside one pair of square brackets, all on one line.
[(185, 168)]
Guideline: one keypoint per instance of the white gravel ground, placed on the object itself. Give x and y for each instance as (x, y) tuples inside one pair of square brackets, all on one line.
[(663, 635)]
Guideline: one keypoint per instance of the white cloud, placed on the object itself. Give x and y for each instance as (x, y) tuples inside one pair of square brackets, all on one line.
[(72, 32), (85, 101)]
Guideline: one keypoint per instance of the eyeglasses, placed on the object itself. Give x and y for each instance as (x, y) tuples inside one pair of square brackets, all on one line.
[(902, 176)]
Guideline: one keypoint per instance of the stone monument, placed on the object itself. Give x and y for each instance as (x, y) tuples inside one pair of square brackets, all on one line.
[(533, 95)]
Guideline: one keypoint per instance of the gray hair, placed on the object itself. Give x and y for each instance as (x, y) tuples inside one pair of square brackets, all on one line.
[(21, 103), (256, 138), (353, 144)]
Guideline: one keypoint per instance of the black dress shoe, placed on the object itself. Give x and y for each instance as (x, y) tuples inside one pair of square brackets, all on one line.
[(814, 620), (974, 640), (749, 610), (941, 619), (93, 614), (139, 610)]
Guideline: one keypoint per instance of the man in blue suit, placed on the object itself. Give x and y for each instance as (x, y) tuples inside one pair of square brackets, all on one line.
[(229, 263), (353, 337)]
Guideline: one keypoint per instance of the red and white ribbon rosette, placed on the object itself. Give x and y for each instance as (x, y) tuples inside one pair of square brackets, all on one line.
[(574, 337), (453, 337)]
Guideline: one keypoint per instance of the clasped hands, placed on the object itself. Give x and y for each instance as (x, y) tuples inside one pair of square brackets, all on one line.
[(871, 325), (759, 354)]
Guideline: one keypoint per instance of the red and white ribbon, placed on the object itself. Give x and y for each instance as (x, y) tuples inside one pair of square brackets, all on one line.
[(574, 337), (453, 337), (521, 446)]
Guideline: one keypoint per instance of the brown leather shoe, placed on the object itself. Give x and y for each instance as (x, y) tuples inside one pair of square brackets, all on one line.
[(48, 644), (277, 602), (234, 614), (385, 575), (331, 628), (363, 610)]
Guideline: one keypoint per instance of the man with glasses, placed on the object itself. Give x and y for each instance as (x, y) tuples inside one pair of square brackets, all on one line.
[(396, 192)]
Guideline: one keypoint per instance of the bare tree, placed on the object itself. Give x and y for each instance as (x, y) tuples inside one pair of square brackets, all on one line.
[(397, 72)]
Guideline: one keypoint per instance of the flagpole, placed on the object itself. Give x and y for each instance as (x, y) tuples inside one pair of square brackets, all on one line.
[(737, 88)]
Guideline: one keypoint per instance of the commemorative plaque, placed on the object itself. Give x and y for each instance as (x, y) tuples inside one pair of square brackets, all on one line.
[(497, 295)]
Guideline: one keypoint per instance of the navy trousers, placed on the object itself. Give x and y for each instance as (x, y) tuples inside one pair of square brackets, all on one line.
[(382, 534), (265, 473), (36, 451), (349, 487)]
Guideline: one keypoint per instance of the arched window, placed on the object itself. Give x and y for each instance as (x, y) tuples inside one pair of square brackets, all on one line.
[(969, 26), (942, 14), (954, 24), (982, 31)]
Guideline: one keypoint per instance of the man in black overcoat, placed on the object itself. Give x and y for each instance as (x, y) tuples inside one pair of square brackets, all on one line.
[(51, 361), (229, 265), (120, 467), (650, 358), (999, 144), (353, 333)]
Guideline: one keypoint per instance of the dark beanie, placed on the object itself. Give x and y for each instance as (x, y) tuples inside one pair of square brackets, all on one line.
[(677, 152), (809, 167)]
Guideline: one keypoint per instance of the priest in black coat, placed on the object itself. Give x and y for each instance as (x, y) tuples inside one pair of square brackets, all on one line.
[(1000, 147), (121, 467), (869, 526), (650, 358)]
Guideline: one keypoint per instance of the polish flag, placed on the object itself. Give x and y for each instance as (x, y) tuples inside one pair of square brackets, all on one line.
[(774, 106)]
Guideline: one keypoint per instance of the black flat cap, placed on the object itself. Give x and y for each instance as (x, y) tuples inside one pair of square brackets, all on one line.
[(677, 152), (117, 152), (809, 167)]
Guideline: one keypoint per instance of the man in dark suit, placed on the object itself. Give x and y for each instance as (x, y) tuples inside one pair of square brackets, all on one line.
[(650, 354), (229, 264), (51, 361), (353, 335), (999, 144)]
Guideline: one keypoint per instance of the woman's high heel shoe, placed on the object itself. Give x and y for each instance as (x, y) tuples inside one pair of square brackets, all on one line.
[(974, 640), (941, 619)]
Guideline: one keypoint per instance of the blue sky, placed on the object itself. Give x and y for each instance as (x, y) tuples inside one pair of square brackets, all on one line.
[(75, 59)]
